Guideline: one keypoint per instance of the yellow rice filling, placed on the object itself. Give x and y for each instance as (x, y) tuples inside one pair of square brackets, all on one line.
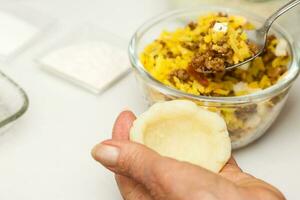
[(172, 58)]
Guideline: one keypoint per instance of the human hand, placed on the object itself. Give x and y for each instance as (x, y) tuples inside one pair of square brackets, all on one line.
[(143, 174)]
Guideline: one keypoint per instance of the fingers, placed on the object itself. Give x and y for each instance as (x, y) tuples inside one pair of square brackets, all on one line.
[(142, 172), (231, 166), (162, 177), (124, 157), (131, 190), (122, 125), (232, 171), (232, 161), (145, 175)]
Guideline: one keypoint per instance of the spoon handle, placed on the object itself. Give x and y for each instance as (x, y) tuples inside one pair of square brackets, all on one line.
[(278, 13)]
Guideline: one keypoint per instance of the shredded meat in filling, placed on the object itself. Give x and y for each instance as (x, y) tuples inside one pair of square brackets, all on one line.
[(202, 63), (181, 74), (192, 25)]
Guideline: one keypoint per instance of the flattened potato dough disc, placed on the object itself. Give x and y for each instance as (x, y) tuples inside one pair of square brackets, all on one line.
[(182, 130)]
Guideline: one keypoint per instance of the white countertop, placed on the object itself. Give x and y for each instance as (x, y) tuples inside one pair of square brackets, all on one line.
[(46, 155)]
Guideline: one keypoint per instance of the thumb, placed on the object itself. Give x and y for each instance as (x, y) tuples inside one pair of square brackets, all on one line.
[(127, 158), (165, 178), (122, 125)]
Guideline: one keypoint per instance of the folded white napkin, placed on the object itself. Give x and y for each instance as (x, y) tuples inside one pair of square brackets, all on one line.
[(94, 65)]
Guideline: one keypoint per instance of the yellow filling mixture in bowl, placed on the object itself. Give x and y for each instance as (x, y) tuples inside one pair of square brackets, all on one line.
[(178, 58), (171, 54)]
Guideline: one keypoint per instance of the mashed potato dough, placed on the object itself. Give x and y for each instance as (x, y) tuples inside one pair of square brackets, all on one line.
[(181, 130)]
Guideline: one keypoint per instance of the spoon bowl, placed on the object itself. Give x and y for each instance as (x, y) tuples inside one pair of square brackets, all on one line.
[(256, 37)]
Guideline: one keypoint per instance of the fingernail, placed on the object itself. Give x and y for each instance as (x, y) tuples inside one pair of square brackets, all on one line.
[(106, 155)]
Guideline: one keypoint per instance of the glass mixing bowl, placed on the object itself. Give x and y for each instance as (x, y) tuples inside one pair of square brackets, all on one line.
[(247, 117)]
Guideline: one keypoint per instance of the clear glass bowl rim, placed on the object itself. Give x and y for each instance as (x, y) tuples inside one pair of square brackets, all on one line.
[(282, 85), (16, 115)]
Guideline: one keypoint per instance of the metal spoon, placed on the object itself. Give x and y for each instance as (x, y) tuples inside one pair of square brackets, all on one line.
[(259, 36)]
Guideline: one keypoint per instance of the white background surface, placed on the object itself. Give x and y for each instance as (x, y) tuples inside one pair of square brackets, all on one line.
[(46, 155)]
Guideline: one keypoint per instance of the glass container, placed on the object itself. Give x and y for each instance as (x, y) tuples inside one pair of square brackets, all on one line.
[(256, 111)]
